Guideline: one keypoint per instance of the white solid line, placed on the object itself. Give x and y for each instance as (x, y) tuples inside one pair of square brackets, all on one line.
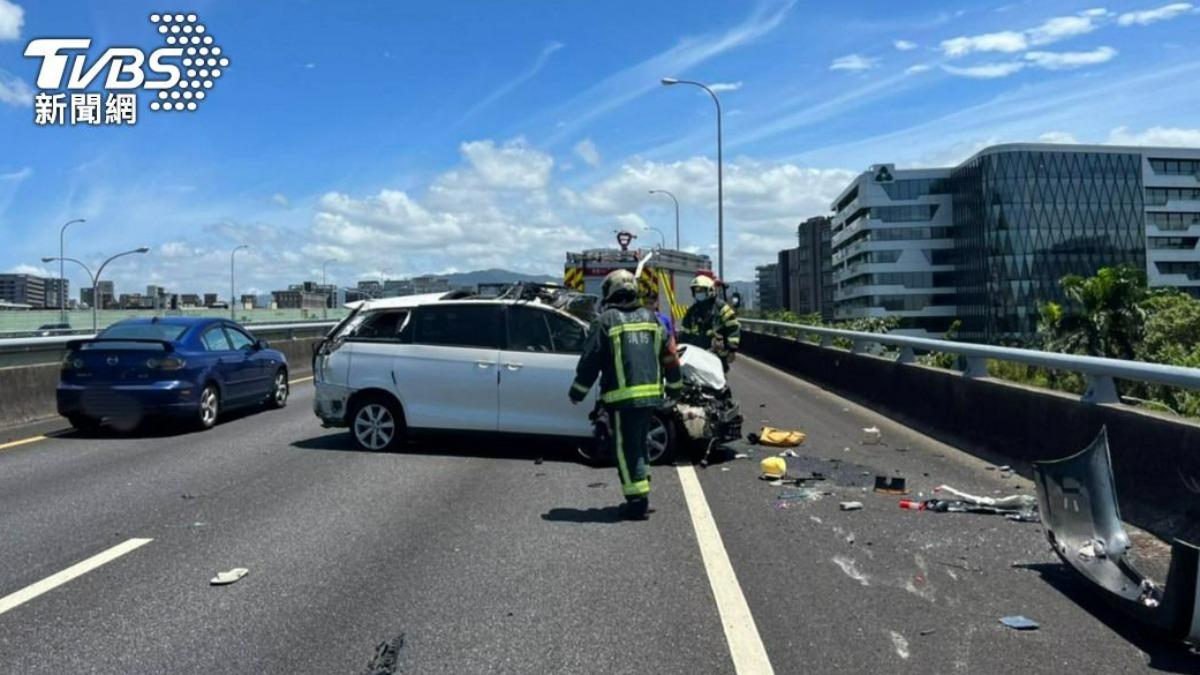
[(298, 380), (78, 569), (745, 645)]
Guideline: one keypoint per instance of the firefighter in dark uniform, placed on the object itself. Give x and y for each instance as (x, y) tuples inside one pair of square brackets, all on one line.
[(631, 353), (710, 323)]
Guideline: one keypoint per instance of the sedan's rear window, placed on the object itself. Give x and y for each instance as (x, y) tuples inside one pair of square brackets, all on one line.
[(144, 331)]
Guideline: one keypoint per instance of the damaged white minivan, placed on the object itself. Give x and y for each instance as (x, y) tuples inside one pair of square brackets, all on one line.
[(463, 362)]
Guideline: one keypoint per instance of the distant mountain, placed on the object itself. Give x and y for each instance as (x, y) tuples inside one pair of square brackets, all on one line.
[(496, 276)]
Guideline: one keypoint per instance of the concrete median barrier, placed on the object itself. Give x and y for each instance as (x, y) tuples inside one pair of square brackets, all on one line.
[(27, 393), (1156, 457)]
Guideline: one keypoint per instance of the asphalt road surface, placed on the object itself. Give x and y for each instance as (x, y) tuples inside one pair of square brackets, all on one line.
[(487, 559)]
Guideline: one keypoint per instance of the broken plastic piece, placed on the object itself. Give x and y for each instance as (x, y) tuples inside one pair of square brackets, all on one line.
[(780, 438), (891, 485), (871, 436), (788, 453), (225, 578), (1020, 623), (1077, 497), (1012, 501), (850, 506)]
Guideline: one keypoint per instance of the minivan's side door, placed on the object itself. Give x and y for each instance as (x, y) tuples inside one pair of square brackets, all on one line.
[(371, 348), (447, 377), (537, 367), (231, 365)]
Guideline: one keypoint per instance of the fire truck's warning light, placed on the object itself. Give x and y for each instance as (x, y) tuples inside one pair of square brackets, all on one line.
[(625, 238)]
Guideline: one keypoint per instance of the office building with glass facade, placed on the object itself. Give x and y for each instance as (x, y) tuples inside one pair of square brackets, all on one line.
[(1020, 217)]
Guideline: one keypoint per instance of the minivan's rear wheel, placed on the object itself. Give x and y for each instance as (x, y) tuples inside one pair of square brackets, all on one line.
[(660, 439), (209, 407), (375, 424), (279, 390)]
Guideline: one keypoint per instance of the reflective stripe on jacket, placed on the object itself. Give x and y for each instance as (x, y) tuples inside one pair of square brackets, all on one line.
[(631, 353)]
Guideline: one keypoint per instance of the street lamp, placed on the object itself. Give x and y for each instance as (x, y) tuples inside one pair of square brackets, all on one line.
[(661, 236), (232, 291), (664, 192), (668, 81), (325, 308), (96, 277), (62, 291)]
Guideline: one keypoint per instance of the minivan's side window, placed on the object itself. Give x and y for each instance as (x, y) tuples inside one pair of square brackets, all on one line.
[(527, 331), (459, 325), (215, 341), (381, 325), (238, 339), (568, 335)]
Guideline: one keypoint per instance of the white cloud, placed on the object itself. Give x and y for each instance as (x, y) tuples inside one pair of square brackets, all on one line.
[(14, 90), (919, 68), (31, 269), (1061, 28), (1069, 60), (281, 199), (524, 76), (12, 17), (1156, 136), (586, 150), (1005, 41), (1058, 137), (631, 222), (1164, 13), (513, 165), (904, 45), (853, 62), (986, 71), (18, 175), (725, 86)]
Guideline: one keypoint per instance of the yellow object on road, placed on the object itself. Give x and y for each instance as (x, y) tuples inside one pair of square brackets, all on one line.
[(773, 467), (780, 438)]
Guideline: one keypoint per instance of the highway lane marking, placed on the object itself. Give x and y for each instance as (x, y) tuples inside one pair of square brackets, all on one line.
[(298, 380), (78, 569), (745, 644), (23, 441)]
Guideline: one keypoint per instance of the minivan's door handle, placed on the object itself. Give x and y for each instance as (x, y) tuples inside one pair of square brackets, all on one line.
[(514, 366), (484, 364)]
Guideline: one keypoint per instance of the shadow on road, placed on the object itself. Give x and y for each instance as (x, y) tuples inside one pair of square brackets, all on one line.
[(607, 515), (458, 445), (1164, 656), (158, 427)]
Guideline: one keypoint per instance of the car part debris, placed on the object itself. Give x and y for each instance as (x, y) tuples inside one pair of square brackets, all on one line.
[(1020, 623), (226, 578), (958, 506), (387, 657), (1077, 498), (871, 436), (1017, 501), (812, 477), (773, 468), (788, 453), (891, 485), (740, 455), (850, 506)]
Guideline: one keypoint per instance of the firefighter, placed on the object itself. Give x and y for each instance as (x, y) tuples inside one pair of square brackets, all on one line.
[(631, 353), (650, 301), (710, 323)]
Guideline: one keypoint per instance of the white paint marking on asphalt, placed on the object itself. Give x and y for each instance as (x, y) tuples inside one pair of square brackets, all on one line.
[(745, 645), (298, 380), (23, 441), (78, 569)]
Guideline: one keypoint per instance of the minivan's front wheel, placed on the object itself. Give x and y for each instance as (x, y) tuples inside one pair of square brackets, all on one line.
[(660, 439), (375, 424)]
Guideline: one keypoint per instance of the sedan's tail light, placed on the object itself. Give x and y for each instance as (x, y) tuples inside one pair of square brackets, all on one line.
[(72, 362), (166, 363)]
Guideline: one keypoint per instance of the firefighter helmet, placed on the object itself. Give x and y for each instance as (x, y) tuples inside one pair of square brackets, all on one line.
[(702, 281), (619, 283)]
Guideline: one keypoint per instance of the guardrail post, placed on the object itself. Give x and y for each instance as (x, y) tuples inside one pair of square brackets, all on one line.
[(976, 367), (1100, 389), (858, 347), (907, 355), (826, 341)]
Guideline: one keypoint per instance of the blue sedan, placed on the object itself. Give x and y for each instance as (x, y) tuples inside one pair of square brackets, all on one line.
[(188, 368)]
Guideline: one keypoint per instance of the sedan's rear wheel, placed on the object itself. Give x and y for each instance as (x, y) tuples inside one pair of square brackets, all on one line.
[(209, 407), (660, 439), (375, 425)]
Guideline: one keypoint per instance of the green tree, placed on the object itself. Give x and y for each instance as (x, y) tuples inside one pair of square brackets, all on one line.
[(1103, 316)]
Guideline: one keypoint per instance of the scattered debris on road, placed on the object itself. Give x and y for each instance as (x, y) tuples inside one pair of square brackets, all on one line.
[(789, 497), (848, 566), (539, 460), (229, 577), (778, 438), (871, 436), (1020, 623), (850, 506), (773, 468), (387, 657), (891, 485), (741, 455), (597, 485), (900, 644), (788, 453)]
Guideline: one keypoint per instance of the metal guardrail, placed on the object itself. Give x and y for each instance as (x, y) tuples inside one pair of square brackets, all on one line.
[(28, 351), (1100, 372)]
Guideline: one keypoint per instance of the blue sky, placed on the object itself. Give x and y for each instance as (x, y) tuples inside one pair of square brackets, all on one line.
[(408, 137)]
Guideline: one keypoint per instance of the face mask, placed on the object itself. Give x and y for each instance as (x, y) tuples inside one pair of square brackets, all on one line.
[(701, 296)]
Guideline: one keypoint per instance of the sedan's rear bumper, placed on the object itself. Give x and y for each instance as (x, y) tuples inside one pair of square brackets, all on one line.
[(110, 401)]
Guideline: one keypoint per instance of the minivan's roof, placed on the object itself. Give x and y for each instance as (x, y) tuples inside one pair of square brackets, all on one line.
[(407, 301)]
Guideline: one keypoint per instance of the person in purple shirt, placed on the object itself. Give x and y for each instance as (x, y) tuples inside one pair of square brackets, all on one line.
[(650, 301)]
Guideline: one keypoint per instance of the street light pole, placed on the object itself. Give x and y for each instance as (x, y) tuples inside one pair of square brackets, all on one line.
[(664, 192), (232, 287), (662, 237), (667, 81), (88, 271), (96, 280), (62, 292), (325, 287)]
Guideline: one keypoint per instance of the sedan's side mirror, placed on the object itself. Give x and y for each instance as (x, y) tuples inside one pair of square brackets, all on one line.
[(260, 344)]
